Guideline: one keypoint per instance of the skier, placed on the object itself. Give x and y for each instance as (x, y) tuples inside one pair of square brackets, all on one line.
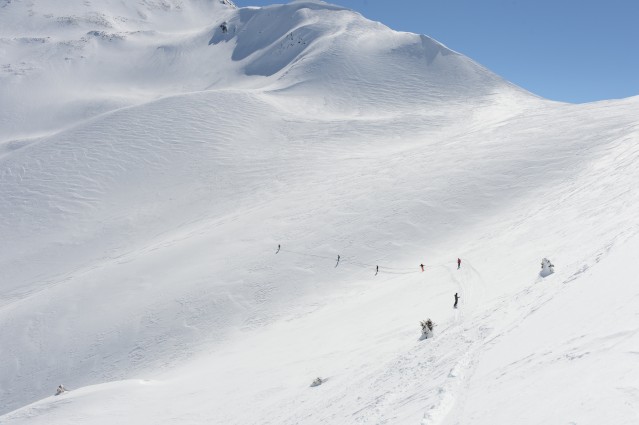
[(60, 390), (376, 270), (457, 297), (278, 248), (458, 263), (337, 264), (422, 266), (224, 27)]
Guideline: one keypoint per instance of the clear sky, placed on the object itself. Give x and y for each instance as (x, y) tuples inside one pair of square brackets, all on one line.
[(568, 50)]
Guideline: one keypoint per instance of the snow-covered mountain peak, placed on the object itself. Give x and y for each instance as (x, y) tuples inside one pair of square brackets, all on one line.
[(80, 58)]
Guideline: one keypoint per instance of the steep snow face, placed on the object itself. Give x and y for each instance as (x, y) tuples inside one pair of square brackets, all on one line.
[(139, 246), (313, 47)]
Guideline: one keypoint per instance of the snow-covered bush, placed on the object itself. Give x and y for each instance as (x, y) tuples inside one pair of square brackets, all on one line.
[(427, 328), (547, 268)]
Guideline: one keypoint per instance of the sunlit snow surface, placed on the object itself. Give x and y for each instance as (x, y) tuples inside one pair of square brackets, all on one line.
[(150, 164)]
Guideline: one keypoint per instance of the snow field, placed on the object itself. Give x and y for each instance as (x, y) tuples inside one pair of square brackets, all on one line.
[(139, 264)]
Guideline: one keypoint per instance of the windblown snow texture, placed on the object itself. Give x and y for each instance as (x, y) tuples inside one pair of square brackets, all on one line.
[(151, 164)]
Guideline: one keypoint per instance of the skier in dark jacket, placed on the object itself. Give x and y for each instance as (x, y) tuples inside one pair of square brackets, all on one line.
[(457, 297), (458, 263), (422, 266)]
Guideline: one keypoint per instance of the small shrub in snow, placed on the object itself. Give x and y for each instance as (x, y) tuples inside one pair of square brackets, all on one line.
[(427, 328), (547, 268)]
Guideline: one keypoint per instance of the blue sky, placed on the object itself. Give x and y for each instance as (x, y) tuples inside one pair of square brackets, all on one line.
[(568, 50)]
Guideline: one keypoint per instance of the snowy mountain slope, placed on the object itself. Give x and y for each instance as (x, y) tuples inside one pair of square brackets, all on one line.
[(140, 243), (65, 61), (579, 336), (61, 65), (386, 374)]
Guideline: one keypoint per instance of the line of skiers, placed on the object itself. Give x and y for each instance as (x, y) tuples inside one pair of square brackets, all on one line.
[(279, 247), (457, 297)]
